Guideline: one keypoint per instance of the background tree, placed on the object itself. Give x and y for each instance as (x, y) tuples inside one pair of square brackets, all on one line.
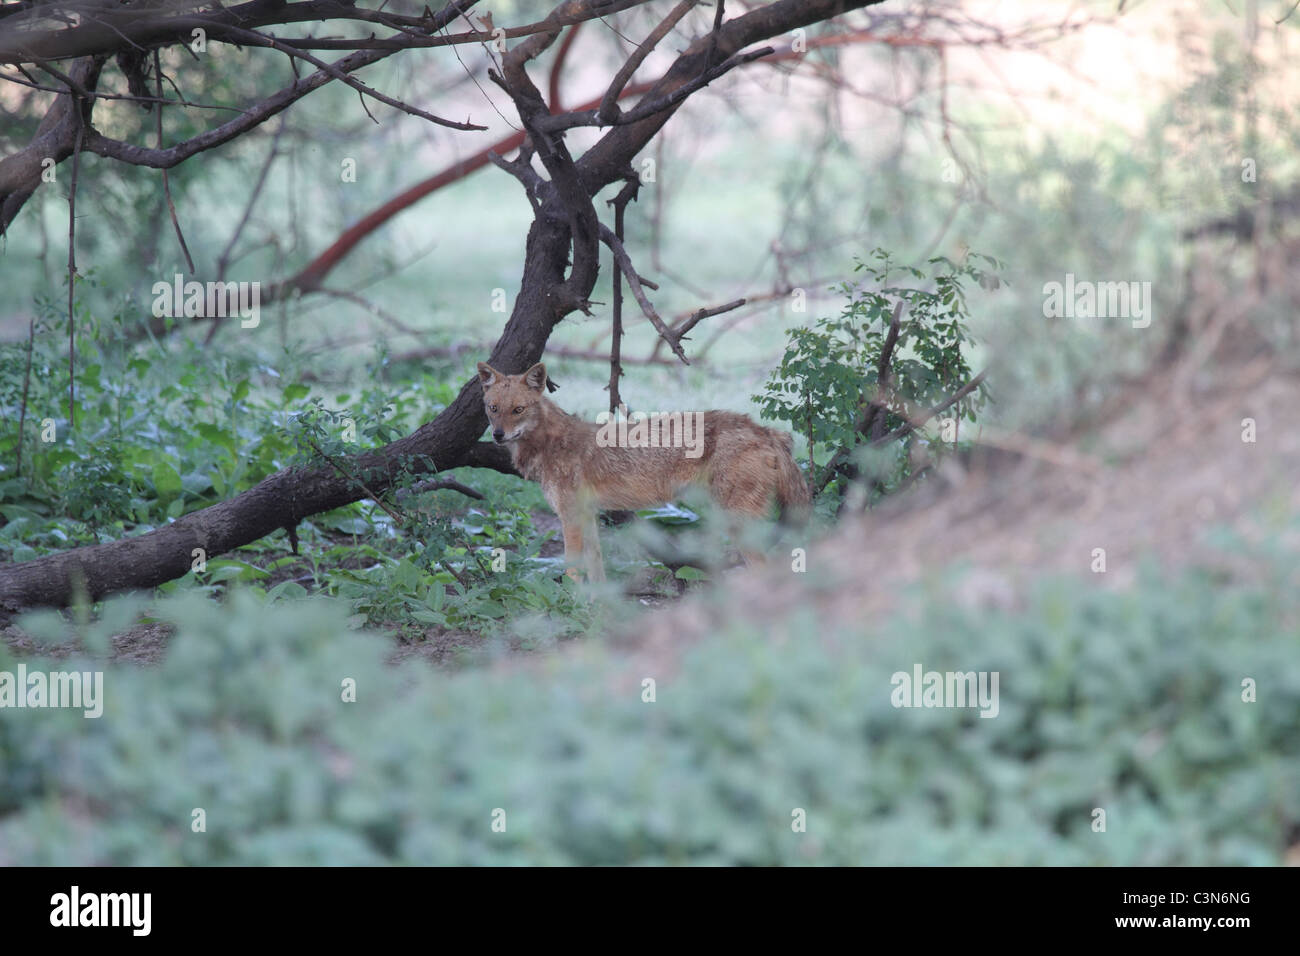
[(562, 248)]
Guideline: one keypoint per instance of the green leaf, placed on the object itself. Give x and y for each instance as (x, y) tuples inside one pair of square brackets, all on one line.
[(228, 569), (216, 435), (348, 524), (166, 481), (669, 514), (290, 589)]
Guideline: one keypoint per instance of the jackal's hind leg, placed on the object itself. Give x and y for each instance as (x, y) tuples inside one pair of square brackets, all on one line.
[(746, 497), (591, 549)]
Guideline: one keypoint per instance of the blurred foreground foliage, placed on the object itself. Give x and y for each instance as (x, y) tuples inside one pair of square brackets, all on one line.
[(1130, 702)]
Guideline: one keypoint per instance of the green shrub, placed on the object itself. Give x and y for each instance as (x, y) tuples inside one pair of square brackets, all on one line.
[(830, 372)]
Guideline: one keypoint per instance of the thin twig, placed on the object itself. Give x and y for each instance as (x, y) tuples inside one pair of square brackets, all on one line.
[(72, 263), (442, 484), (713, 37), (452, 571), (912, 421), (808, 425), (167, 190), (473, 553), (370, 307), (557, 67), (648, 108), (917, 420), (253, 38), (398, 519), (223, 261), (608, 111), (32, 84), (22, 408)]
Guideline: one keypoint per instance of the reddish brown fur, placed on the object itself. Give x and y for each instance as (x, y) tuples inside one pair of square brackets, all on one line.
[(744, 466)]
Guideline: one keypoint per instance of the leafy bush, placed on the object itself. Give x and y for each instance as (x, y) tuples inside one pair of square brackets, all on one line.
[(830, 373), (163, 429), (445, 579), (1127, 702), (161, 435)]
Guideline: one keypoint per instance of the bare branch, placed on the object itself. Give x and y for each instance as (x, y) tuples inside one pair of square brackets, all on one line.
[(167, 189), (557, 68), (223, 260), (32, 84), (521, 168), (608, 111), (679, 331), (634, 282), (253, 38), (439, 484), (647, 108), (566, 186), (105, 28), (875, 412), (916, 419), (626, 195), (718, 13), (72, 272), (912, 420)]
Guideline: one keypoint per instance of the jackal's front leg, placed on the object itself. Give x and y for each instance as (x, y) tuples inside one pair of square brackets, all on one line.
[(581, 544)]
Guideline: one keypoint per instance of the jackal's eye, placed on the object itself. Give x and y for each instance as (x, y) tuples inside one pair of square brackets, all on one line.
[(518, 409), (492, 408)]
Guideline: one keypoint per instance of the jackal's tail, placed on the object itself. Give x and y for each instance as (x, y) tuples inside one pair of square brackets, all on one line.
[(792, 495)]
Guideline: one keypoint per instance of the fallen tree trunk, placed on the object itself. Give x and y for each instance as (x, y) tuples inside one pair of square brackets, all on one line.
[(285, 498), (280, 501)]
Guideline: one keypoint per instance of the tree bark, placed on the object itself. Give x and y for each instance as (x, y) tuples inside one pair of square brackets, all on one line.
[(56, 136)]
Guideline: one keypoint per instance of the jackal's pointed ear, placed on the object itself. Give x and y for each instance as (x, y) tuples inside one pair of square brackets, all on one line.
[(535, 377), (487, 374)]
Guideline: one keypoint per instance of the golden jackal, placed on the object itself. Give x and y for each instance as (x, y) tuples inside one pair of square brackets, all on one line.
[(744, 466)]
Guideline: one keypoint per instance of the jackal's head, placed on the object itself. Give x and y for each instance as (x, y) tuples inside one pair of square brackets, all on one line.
[(511, 400)]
